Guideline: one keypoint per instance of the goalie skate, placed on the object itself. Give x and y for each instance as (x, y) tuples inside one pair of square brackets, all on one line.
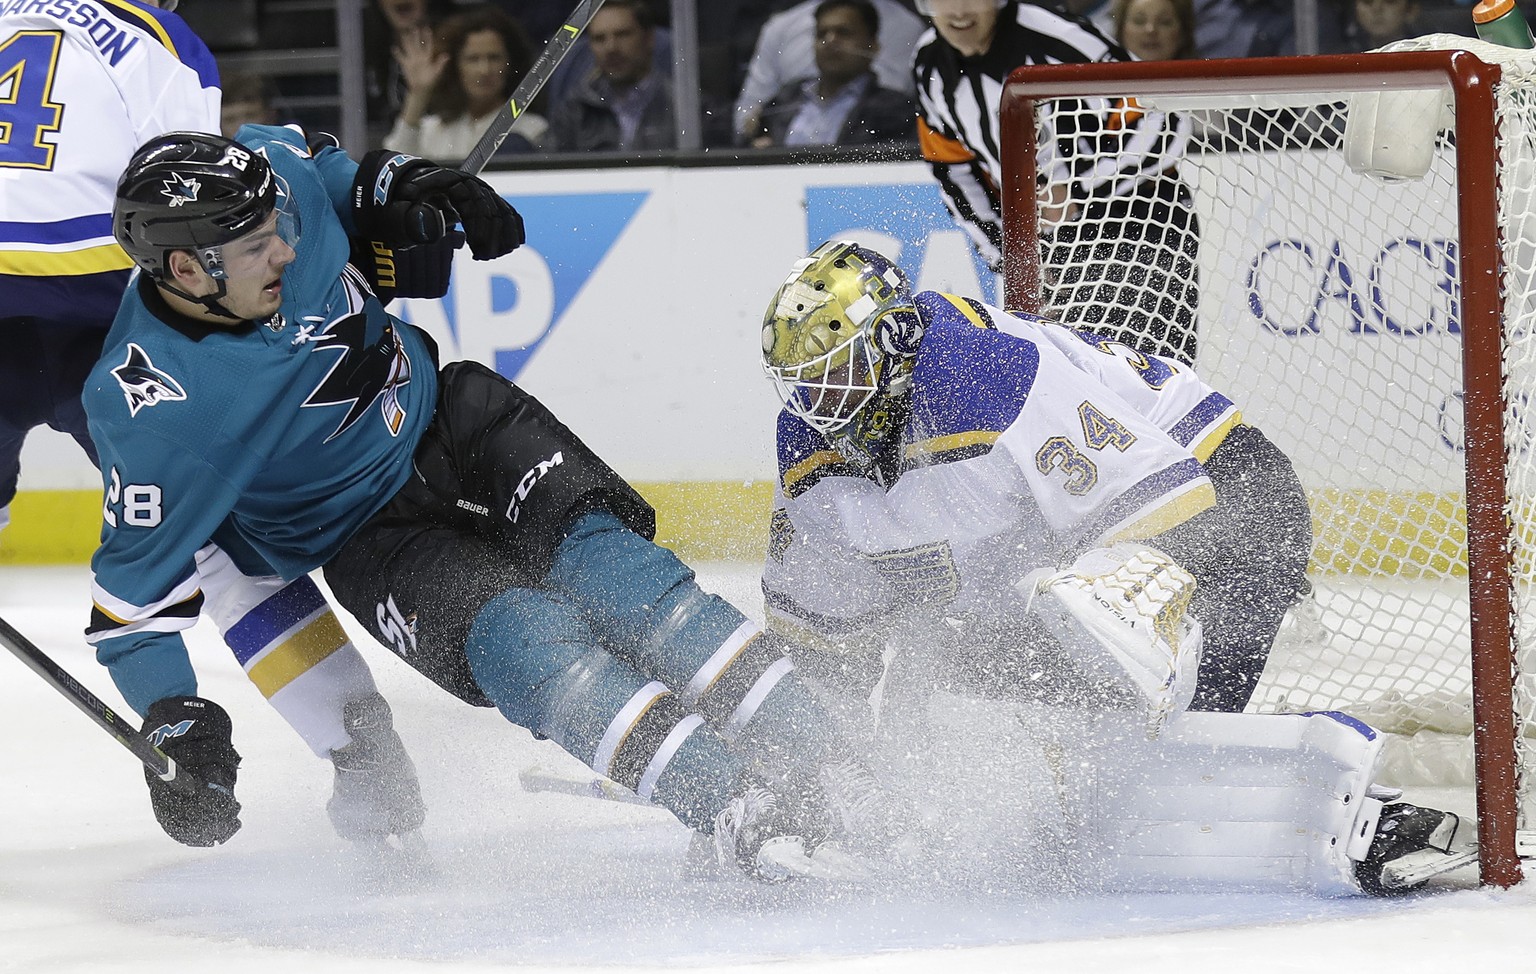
[(1412, 845), (1122, 614)]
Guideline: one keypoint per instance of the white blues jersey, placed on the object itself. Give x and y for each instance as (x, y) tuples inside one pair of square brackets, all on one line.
[(959, 126), (84, 83), (1021, 445)]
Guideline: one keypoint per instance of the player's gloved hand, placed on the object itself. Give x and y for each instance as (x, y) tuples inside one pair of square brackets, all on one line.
[(406, 200), (376, 793), (422, 271), (198, 807)]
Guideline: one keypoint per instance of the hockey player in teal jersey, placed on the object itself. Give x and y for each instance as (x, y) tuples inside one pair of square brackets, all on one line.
[(255, 393), (997, 505), (125, 71)]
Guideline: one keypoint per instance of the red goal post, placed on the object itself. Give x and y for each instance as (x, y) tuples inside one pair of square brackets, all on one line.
[(1288, 323)]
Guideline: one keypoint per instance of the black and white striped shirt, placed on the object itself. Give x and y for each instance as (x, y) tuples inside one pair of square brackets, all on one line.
[(959, 124)]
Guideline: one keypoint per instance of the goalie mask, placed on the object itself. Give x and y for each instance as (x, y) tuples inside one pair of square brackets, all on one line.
[(841, 328), (195, 192)]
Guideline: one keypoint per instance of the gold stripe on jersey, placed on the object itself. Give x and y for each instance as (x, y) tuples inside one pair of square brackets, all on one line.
[(974, 311), (300, 652), (939, 449), (144, 19), (803, 469), (1171, 514), (1213, 438), (48, 263)]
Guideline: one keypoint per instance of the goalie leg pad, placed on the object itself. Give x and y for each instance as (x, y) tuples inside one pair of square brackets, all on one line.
[(1122, 614), (1231, 798)]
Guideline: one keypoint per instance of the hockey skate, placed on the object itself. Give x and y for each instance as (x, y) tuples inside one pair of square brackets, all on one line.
[(773, 837), (1411, 846)]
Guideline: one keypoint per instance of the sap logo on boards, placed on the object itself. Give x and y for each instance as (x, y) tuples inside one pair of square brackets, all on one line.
[(1407, 286), (908, 223), (500, 312)]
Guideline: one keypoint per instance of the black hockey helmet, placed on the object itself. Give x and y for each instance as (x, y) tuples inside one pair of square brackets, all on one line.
[(190, 191)]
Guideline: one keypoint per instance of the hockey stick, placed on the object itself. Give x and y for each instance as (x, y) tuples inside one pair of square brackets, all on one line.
[(89, 704), (533, 82)]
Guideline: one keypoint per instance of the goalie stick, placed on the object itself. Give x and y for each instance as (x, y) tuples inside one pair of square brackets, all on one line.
[(533, 82), (89, 704)]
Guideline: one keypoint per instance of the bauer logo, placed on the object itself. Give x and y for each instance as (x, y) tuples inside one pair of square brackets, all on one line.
[(501, 311), (909, 224)]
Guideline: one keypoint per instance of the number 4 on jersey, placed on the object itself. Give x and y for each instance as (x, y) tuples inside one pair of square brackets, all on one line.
[(1101, 430), (28, 60)]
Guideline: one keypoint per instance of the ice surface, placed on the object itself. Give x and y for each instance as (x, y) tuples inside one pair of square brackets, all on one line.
[(557, 882)]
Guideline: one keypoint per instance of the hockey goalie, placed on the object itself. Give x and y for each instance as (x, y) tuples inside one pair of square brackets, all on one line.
[(984, 505)]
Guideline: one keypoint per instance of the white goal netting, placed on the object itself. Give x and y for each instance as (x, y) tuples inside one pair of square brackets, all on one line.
[(1328, 303)]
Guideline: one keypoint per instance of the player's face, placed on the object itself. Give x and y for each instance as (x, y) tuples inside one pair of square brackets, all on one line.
[(253, 269), (482, 64), (967, 25), (1151, 29), (620, 46), (844, 45)]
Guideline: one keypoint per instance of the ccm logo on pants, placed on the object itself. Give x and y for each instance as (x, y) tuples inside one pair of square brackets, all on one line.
[(525, 486)]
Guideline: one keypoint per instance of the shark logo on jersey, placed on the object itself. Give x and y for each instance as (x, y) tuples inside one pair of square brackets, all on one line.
[(362, 373), (179, 189), (143, 384)]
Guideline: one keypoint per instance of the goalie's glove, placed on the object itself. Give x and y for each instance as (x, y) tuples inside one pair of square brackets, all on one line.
[(1122, 614), (376, 794), (199, 809), (405, 200)]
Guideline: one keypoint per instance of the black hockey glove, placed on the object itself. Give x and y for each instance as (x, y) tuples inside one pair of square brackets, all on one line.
[(422, 271), (404, 200), (200, 809), (376, 794)]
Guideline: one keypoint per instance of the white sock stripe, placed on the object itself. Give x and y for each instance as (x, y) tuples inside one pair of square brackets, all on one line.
[(779, 670), (619, 727), (719, 662), (665, 753)]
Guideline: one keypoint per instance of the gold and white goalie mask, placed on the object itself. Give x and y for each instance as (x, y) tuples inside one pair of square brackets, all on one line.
[(841, 328)]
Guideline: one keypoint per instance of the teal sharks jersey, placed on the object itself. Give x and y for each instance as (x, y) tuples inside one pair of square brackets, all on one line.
[(276, 438)]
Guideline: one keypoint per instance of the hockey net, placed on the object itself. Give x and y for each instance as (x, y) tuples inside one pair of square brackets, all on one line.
[(1378, 327)]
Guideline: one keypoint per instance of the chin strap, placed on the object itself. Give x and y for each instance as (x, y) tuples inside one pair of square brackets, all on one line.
[(209, 302)]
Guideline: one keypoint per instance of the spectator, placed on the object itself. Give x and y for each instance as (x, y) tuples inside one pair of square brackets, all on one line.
[(1376, 23), (624, 104), (844, 104), (390, 27), (1244, 28), (1155, 30), (247, 101), (457, 84), (785, 53)]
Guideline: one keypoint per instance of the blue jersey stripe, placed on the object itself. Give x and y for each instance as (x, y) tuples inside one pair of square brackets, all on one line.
[(57, 231), (263, 625), (1207, 411)]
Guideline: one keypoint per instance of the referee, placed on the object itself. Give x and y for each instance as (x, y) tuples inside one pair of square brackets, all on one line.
[(1120, 257)]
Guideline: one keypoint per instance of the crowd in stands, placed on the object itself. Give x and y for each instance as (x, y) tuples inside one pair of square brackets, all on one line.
[(772, 73)]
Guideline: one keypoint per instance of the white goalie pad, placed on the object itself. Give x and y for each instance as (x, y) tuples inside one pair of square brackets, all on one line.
[(1229, 800), (1121, 613)]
